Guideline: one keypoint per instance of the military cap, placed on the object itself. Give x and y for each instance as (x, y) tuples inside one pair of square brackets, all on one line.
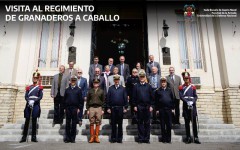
[(73, 77), (163, 79), (116, 77), (36, 74), (142, 73), (185, 74), (96, 80)]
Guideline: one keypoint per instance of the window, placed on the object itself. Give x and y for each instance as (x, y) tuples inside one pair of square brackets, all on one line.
[(189, 43), (49, 45)]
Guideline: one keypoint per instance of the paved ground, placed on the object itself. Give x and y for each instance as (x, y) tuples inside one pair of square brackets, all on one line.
[(116, 146)]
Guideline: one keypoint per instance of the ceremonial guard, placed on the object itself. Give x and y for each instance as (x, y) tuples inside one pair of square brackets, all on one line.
[(117, 104), (95, 103), (164, 104), (33, 95), (143, 104), (188, 95), (73, 103), (131, 81)]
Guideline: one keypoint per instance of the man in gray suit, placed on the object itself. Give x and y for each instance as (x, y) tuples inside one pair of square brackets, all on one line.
[(174, 81), (123, 68), (110, 64), (151, 64), (111, 81), (70, 71), (59, 84), (154, 81), (92, 67)]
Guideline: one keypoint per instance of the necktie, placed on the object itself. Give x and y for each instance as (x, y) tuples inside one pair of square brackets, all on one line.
[(70, 71), (172, 79), (122, 67), (152, 63)]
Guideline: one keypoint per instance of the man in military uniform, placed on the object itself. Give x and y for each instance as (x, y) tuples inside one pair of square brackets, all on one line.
[(73, 103), (164, 104), (188, 95), (131, 81), (94, 106), (33, 95), (117, 104), (143, 104)]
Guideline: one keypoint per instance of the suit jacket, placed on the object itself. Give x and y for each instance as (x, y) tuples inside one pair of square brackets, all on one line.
[(126, 71), (91, 70), (83, 85), (74, 72), (150, 80), (174, 86), (111, 82), (64, 85), (111, 69), (149, 68)]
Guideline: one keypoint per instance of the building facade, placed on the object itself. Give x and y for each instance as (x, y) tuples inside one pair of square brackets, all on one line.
[(208, 48)]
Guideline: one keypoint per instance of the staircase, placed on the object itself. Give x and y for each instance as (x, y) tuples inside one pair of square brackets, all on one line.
[(211, 130)]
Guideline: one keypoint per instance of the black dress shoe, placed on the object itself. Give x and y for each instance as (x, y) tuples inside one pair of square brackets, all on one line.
[(140, 141), (34, 138), (66, 141), (169, 142), (113, 140), (188, 140), (196, 140), (73, 141), (24, 138), (119, 141), (147, 141)]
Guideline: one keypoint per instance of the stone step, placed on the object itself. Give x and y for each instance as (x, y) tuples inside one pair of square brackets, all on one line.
[(80, 131), (107, 126), (106, 121), (153, 138), (126, 116)]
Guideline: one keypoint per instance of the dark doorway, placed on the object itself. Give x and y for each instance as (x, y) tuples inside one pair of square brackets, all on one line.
[(127, 37)]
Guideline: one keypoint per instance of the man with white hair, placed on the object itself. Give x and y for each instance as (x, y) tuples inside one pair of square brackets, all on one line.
[(82, 84)]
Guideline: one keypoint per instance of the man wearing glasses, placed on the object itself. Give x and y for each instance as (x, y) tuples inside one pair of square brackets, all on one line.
[(82, 84)]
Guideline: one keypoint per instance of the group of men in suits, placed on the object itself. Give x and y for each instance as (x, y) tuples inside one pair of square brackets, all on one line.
[(147, 92)]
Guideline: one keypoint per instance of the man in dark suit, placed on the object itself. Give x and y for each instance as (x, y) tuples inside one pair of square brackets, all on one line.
[(59, 84), (110, 64), (82, 84), (92, 67), (123, 68), (173, 82), (97, 75), (154, 81), (151, 64)]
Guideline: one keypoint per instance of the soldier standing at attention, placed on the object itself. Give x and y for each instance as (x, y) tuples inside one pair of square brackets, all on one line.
[(117, 104), (164, 103), (143, 104), (34, 94), (94, 106), (73, 103), (188, 95)]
